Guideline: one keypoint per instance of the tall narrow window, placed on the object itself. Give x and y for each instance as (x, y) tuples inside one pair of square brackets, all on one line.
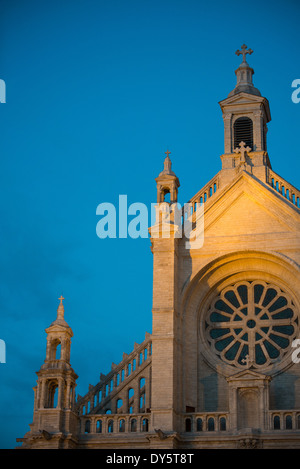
[(276, 422), (122, 426), (87, 427), (243, 132), (119, 403), (188, 425), (58, 352), (133, 425), (199, 425), (222, 424), (211, 424), (52, 394), (144, 425), (288, 422), (99, 426), (110, 427)]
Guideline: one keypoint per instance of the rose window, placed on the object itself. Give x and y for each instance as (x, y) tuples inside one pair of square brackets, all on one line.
[(251, 323)]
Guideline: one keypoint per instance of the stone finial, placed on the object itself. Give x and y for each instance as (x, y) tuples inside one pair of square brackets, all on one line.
[(167, 164), (60, 309), (60, 320)]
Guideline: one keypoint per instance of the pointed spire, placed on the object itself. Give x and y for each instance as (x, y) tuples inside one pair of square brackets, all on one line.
[(167, 165), (60, 309), (60, 320)]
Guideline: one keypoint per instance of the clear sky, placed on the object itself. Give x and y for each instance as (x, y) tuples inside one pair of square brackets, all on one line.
[(96, 92)]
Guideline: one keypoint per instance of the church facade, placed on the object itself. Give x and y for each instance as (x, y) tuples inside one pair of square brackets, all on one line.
[(219, 369)]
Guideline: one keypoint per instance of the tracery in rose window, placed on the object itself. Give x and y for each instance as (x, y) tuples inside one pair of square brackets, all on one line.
[(251, 323)]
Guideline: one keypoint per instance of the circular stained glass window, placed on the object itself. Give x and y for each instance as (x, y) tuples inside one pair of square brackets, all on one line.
[(251, 323)]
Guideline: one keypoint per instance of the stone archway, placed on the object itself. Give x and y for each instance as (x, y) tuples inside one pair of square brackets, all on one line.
[(202, 362)]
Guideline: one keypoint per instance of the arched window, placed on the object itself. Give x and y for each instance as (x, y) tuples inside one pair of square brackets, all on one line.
[(133, 425), (52, 394), (223, 424), (87, 427), (211, 424), (99, 426), (130, 393), (142, 382), (243, 132), (119, 403), (276, 422), (288, 422), (145, 425), (166, 195), (122, 426), (55, 349), (110, 427), (58, 351), (188, 425), (199, 425)]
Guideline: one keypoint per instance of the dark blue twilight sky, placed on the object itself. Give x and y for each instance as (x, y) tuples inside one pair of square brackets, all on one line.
[(97, 91)]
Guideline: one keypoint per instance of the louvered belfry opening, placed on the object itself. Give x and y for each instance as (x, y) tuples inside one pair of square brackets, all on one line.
[(243, 132)]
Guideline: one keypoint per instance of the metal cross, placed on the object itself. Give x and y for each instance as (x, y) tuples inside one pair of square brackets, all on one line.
[(243, 52), (61, 298), (167, 152)]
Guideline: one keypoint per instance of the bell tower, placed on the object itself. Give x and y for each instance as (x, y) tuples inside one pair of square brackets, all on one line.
[(246, 115), (54, 420), (165, 245), (167, 183)]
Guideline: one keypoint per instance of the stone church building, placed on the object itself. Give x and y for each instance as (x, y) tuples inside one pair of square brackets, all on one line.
[(219, 369)]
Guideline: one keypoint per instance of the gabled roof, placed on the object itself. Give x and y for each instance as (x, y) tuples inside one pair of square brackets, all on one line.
[(246, 98), (248, 374), (247, 206)]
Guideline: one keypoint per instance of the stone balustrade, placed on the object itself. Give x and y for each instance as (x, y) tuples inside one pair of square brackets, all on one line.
[(219, 421), (283, 188), (115, 423), (284, 419), (205, 193), (205, 422)]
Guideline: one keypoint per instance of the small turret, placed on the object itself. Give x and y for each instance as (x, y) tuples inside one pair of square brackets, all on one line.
[(167, 182), (54, 420)]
